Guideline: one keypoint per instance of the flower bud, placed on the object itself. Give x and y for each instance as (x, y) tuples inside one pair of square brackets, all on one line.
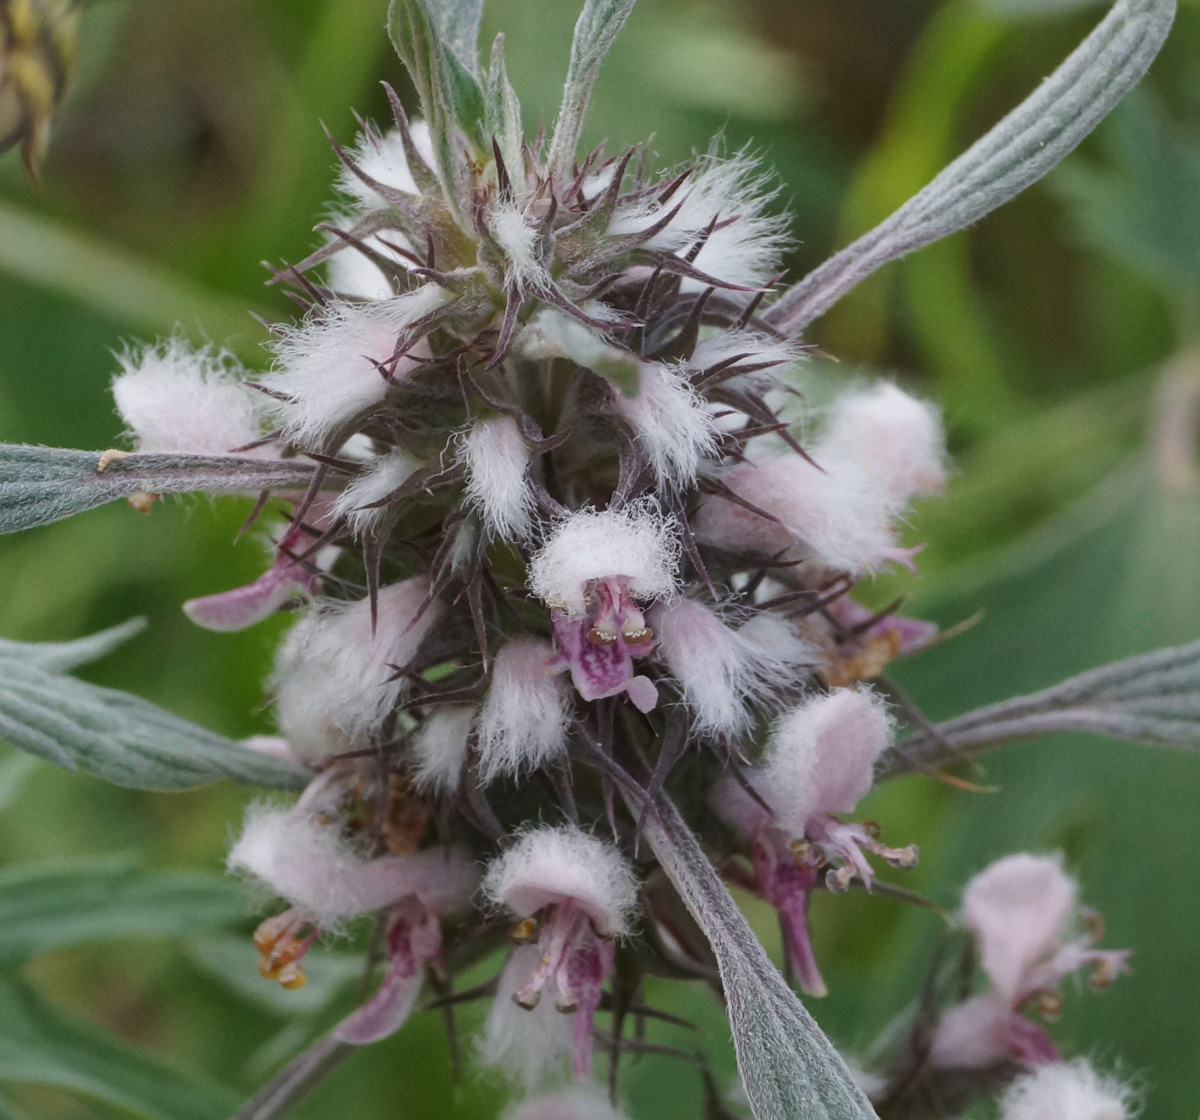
[(497, 459)]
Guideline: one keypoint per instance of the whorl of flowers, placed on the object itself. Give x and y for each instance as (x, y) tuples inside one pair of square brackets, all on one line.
[(558, 541)]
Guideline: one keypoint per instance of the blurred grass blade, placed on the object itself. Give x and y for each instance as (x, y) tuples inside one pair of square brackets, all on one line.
[(48, 906), (595, 32), (1153, 699), (62, 657), (39, 485), (40, 1045), (457, 24), (116, 283), (118, 737), (1023, 147), (789, 1069)]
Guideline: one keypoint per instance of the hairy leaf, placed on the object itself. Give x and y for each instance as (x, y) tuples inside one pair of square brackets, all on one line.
[(113, 735), (39, 485), (1154, 698), (789, 1069), (457, 23), (41, 1045), (1023, 147), (597, 28), (62, 657), (451, 99), (47, 906), (503, 111)]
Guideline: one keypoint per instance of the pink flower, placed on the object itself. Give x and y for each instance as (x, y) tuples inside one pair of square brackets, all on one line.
[(305, 860), (820, 761), (591, 572), (1017, 909), (574, 894)]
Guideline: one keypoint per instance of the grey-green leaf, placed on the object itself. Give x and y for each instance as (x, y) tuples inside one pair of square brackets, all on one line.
[(1153, 699), (503, 112), (595, 32), (41, 1045), (457, 23), (48, 906), (118, 737), (62, 657), (789, 1069), (39, 485), (1023, 147), (451, 99)]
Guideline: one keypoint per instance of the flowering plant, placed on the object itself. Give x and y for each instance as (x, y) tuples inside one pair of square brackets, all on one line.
[(577, 640)]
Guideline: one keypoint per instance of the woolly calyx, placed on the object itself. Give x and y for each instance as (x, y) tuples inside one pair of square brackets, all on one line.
[(497, 460), (383, 159), (1068, 1091), (333, 679), (439, 748), (341, 362), (636, 543), (721, 670), (523, 723), (898, 439), (548, 866), (674, 428), (380, 477), (721, 207), (174, 398), (311, 866)]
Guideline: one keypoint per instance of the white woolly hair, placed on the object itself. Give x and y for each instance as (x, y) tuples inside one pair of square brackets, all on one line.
[(523, 724), (175, 398), (549, 865), (672, 422), (326, 367), (310, 864), (525, 1045), (1016, 908), (331, 679), (745, 252), (833, 517), (382, 158), (513, 233), (497, 458), (721, 670), (635, 542), (752, 349), (439, 748), (352, 273), (380, 476), (1068, 1091), (822, 755), (575, 1104), (898, 439)]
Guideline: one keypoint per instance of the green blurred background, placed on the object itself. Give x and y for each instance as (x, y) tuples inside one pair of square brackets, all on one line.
[(190, 149)]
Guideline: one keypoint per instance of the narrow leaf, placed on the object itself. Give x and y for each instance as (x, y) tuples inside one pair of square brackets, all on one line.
[(451, 100), (62, 657), (457, 23), (48, 906), (39, 485), (1023, 147), (1154, 698), (503, 112), (40, 1045), (789, 1069), (597, 28), (118, 737)]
